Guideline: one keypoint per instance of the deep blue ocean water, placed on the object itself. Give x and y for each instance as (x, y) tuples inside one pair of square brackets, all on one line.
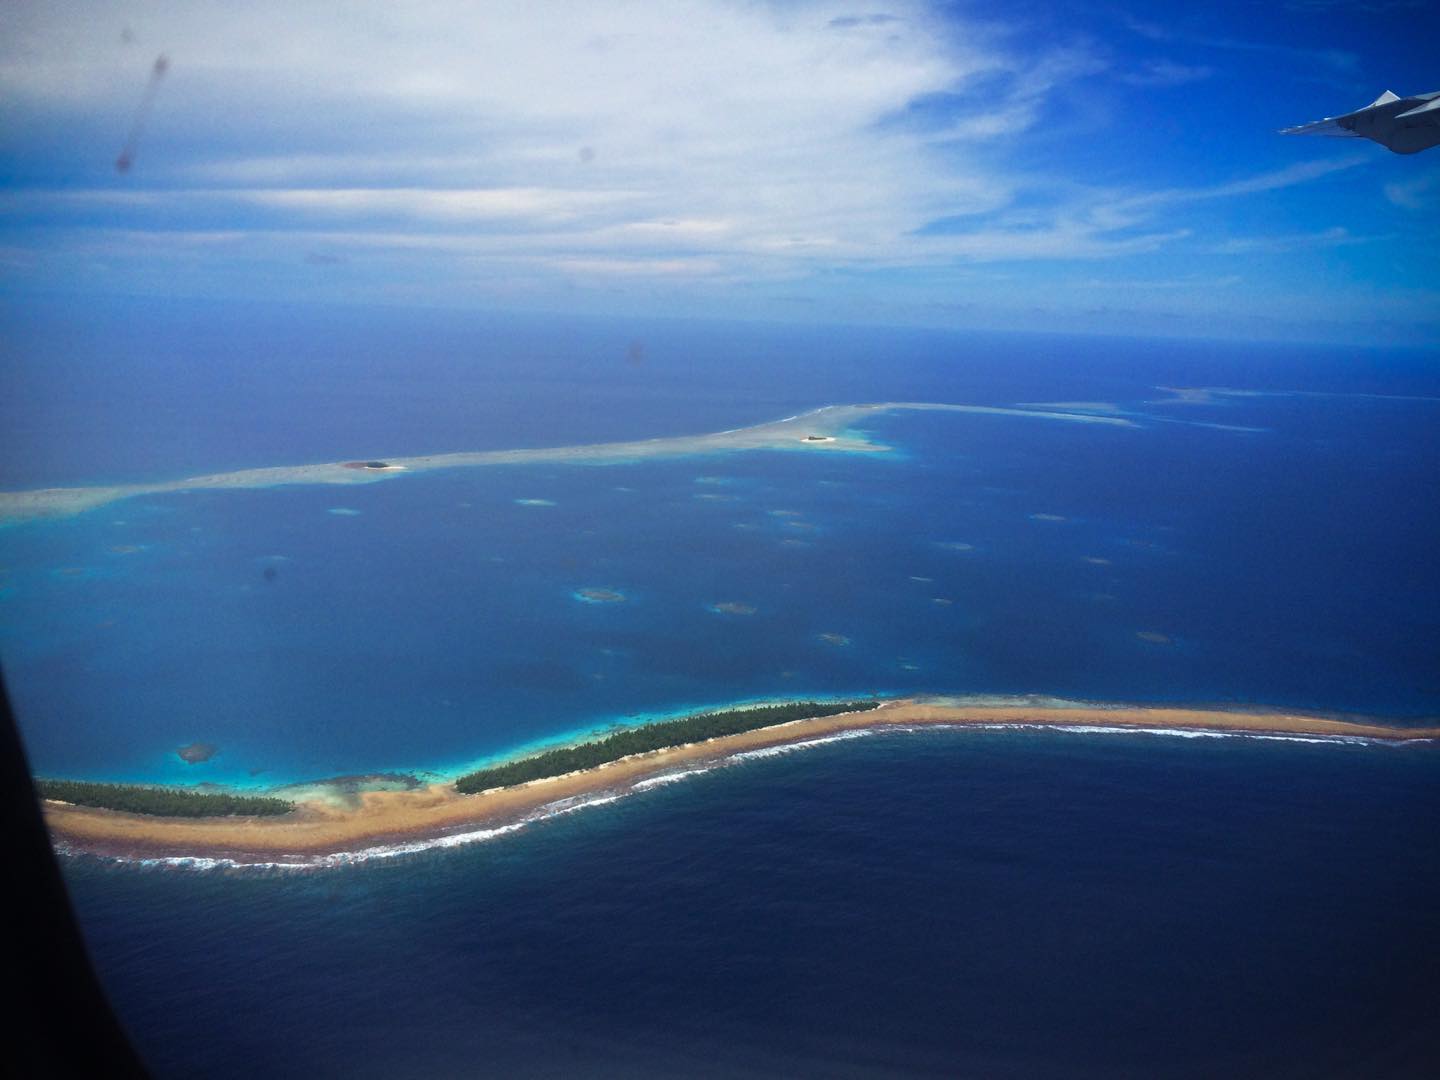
[(997, 904), (1011, 903)]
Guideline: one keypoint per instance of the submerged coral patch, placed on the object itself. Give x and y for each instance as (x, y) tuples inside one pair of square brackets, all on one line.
[(590, 595)]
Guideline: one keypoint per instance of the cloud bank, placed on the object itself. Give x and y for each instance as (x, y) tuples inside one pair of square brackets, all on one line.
[(467, 151)]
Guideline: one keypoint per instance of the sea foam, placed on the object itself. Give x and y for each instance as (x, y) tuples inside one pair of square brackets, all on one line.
[(785, 748), (1180, 733), (667, 778)]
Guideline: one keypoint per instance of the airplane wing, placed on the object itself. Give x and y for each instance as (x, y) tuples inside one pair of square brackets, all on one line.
[(1402, 125), (1337, 125), (1328, 126)]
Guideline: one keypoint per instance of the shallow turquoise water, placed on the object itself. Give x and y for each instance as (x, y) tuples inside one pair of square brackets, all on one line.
[(437, 621)]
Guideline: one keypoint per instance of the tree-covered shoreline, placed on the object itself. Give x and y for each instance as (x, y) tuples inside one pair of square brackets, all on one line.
[(657, 736), (160, 801)]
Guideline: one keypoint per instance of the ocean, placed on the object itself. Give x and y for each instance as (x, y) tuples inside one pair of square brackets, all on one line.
[(1014, 903)]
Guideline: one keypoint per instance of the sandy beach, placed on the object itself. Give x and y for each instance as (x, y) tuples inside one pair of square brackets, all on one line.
[(823, 430), (378, 818)]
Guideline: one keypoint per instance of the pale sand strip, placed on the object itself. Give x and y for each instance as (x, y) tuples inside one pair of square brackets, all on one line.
[(318, 828), (787, 434)]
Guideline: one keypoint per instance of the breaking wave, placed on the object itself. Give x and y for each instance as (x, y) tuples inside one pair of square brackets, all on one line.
[(667, 778), (1174, 733), (785, 748)]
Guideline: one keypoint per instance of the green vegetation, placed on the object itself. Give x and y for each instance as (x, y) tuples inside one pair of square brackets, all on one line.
[(160, 801), (656, 736)]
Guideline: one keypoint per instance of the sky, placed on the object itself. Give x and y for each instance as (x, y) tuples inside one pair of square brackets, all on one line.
[(1106, 167)]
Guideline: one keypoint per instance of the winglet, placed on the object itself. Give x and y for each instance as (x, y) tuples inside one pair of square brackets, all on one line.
[(1421, 110), (1334, 125)]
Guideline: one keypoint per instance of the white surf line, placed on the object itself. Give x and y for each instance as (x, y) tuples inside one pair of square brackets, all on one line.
[(1177, 733), (670, 778), (1000, 410), (1202, 424), (1200, 393), (1110, 408)]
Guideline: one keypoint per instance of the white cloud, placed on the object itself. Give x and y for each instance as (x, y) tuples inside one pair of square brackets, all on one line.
[(446, 206), (764, 120), (1420, 193), (640, 267), (1016, 104), (1099, 224), (1302, 172), (1336, 236), (1163, 73), (709, 139), (1337, 59), (1186, 284), (1065, 239)]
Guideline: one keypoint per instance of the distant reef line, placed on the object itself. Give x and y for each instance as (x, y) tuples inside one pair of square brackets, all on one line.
[(822, 430), (319, 831)]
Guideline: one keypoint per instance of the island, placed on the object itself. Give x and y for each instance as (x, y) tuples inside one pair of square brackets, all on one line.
[(826, 430), (326, 831), (664, 735)]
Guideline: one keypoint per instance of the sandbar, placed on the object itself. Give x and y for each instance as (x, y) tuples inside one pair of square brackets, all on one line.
[(322, 828), (824, 430)]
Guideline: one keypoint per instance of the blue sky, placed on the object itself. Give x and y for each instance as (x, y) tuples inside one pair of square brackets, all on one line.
[(1093, 167)]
